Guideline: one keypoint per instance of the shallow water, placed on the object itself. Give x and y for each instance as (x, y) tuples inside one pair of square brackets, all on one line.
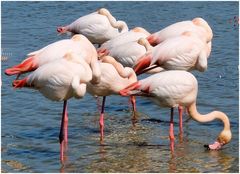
[(30, 123)]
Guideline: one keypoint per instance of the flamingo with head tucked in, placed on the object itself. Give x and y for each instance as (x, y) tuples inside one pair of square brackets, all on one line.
[(78, 44), (197, 25), (98, 27), (184, 52), (114, 77), (131, 36), (60, 80), (174, 88)]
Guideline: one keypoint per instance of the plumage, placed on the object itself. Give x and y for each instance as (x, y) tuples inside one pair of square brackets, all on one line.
[(184, 52), (78, 44), (57, 80), (198, 26)]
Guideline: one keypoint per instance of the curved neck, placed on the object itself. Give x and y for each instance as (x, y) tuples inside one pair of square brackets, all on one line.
[(209, 117), (145, 43), (121, 25), (123, 72)]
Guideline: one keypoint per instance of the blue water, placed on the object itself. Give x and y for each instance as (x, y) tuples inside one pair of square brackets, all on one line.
[(30, 123)]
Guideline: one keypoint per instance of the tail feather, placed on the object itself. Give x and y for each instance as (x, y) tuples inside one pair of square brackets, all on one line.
[(20, 83), (26, 66), (153, 40), (127, 91), (61, 30)]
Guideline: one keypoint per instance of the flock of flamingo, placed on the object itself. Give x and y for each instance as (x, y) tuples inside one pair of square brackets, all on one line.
[(71, 67)]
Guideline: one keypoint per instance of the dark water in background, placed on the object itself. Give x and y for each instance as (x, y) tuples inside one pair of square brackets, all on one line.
[(30, 123)]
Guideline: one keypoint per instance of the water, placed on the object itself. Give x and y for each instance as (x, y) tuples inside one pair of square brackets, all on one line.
[(30, 123)]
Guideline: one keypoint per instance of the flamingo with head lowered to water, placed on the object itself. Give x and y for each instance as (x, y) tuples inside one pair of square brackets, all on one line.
[(174, 88)]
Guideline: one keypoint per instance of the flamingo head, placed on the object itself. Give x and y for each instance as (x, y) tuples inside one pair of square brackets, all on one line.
[(224, 138)]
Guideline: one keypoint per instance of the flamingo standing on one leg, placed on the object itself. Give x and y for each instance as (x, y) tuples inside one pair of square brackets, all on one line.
[(114, 77), (98, 27), (60, 80), (78, 44), (173, 88)]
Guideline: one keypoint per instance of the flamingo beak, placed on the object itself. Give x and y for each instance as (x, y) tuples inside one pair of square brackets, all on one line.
[(215, 146)]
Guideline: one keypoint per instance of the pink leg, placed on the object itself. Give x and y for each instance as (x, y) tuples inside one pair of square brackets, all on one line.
[(171, 132), (101, 120), (180, 111), (62, 136), (133, 101)]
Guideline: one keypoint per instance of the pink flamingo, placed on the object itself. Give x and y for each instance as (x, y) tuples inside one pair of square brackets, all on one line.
[(114, 77), (173, 88), (197, 25), (184, 52), (78, 44), (98, 27), (60, 80), (131, 36)]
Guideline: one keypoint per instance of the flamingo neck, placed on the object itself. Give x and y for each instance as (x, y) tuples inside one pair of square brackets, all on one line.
[(145, 43), (225, 135), (122, 26)]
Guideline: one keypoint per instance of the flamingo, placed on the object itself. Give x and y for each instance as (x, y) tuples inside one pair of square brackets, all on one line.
[(98, 26), (60, 80), (197, 25), (78, 44), (127, 53), (184, 52), (133, 35), (114, 77), (173, 88)]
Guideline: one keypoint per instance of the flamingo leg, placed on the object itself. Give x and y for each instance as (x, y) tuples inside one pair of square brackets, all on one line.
[(62, 136), (101, 120), (133, 101), (65, 125), (180, 111), (171, 132)]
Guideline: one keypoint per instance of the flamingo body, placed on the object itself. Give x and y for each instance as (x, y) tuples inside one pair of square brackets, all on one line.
[(61, 79), (198, 26), (111, 82), (130, 36), (78, 44), (185, 52), (97, 27)]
